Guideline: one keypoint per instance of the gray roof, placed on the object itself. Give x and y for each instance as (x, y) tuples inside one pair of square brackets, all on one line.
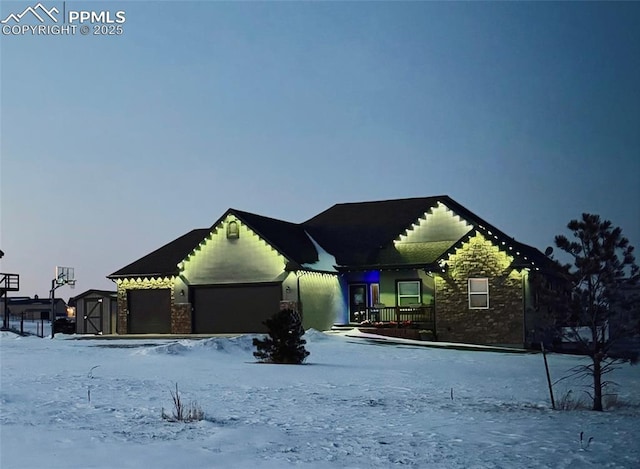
[(163, 261), (359, 235)]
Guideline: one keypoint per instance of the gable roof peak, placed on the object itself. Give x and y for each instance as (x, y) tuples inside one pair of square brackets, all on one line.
[(288, 238), (243, 214)]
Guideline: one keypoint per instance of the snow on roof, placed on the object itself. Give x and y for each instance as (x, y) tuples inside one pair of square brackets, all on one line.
[(326, 262)]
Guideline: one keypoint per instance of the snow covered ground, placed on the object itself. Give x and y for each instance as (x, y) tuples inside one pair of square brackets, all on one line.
[(356, 405)]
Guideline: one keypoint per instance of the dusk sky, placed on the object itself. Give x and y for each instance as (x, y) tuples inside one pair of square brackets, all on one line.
[(528, 114)]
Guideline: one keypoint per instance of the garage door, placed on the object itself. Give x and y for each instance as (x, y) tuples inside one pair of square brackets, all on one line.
[(237, 308), (149, 311)]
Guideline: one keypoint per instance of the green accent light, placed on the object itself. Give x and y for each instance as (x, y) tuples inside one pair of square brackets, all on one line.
[(438, 224)]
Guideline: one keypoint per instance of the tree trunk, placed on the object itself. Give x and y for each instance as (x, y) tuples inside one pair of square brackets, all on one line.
[(597, 381)]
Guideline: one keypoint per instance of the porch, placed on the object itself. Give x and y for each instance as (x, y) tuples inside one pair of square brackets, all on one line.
[(411, 321)]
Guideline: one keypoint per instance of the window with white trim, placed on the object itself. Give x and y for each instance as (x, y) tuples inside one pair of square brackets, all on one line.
[(409, 293), (478, 293)]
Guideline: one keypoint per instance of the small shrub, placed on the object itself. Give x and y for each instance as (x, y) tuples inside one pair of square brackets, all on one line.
[(190, 412), (568, 401), (64, 326), (284, 344)]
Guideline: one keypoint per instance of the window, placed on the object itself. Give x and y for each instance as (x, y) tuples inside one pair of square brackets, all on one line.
[(233, 231), (479, 293), (375, 293), (409, 293)]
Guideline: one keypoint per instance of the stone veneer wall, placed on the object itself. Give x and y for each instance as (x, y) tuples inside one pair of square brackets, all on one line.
[(181, 318), (180, 312), (503, 322)]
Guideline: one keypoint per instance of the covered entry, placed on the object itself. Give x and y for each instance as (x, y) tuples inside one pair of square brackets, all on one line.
[(149, 311), (222, 309)]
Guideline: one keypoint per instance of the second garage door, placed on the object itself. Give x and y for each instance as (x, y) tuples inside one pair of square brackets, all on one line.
[(234, 308), (149, 311)]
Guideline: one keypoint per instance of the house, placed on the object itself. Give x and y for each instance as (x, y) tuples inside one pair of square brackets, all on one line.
[(95, 311), (33, 309), (423, 263), (227, 279)]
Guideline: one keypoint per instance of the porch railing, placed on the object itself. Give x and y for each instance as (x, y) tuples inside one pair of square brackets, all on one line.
[(422, 316)]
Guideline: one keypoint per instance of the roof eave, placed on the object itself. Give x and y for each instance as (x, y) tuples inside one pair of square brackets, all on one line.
[(430, 266), (142, 275)]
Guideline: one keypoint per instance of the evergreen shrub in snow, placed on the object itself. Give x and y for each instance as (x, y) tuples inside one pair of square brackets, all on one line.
[(284, 344)]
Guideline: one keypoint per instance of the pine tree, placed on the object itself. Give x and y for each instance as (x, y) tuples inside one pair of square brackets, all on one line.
[(603, 265), (284, 343)]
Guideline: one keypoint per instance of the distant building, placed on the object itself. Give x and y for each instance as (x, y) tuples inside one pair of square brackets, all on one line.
[(33, 308)]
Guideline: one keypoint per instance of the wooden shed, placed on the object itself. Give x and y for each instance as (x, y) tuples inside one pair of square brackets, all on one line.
[(96, 312)]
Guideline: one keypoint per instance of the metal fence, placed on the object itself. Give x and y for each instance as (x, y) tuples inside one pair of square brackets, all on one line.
[(25, 324)]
